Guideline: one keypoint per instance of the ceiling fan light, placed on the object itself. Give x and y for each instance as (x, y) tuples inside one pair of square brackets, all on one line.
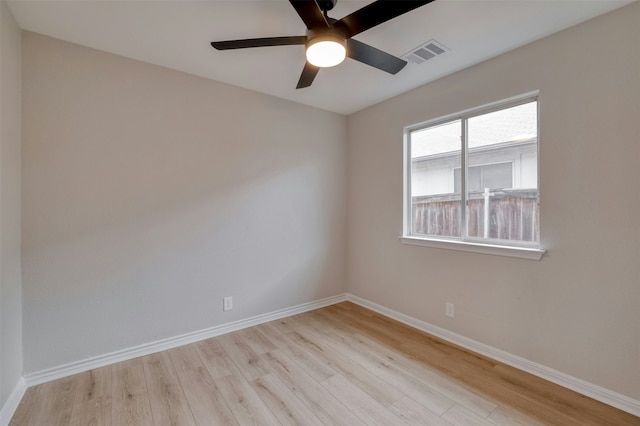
[(326, 51)]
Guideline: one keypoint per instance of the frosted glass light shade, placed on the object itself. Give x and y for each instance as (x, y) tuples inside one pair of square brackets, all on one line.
[(326, 51)]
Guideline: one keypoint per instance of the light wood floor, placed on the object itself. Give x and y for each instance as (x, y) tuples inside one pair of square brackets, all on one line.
[(338, 365)]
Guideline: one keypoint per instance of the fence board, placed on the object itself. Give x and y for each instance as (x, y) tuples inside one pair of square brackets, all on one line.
[(513, 215)]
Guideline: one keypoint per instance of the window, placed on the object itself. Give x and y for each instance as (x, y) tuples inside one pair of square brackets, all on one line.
[(472, 178)]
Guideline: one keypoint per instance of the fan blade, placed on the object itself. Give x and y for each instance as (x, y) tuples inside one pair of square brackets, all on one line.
[(258, 42), (310, 13), (376, 13), (309, 72), (376, 58)]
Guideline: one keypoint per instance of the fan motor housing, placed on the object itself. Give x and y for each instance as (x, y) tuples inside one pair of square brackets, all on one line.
[(334, 32), (326, 4)]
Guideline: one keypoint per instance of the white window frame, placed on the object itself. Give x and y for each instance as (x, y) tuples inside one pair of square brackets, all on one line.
[(532, 251)]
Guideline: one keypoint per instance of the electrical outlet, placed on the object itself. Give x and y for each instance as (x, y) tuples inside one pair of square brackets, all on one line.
[(449, 310), (227, 303)]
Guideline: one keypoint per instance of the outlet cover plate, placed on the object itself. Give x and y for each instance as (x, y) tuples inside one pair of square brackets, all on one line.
[(227, 303), (450, 312)]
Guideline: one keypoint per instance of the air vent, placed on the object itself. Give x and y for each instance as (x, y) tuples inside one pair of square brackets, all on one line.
[(423, 53)]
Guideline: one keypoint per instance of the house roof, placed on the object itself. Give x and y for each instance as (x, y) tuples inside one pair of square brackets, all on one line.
[(514, 124)]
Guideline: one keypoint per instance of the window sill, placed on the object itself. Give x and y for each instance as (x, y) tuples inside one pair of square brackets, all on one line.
[(496, 250)]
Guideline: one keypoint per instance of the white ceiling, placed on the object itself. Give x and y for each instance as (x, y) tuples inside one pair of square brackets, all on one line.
[(176, 34)]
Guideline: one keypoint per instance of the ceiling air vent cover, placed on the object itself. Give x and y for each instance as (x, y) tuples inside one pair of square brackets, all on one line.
[(429, 50)]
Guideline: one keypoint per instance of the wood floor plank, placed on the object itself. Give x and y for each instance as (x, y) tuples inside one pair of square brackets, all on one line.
[(93, 404), (284, 404), (476, 373), (94, 384), (54, 402), (217, 361), (169, 404), (256, 340), (458, 415), (314, 366), (247, 407), (502, 416), (130, 400), (360, 402), (342, 364), (208, 406), (245, 358), (285, 325), (385, 328), (324, 405), (568, 402), (391, 333), (480, 375), (456, 391), (413, 413), (25, 410), (453, 390), (241, 398), (507, 394), (360, 376), (389, 373)]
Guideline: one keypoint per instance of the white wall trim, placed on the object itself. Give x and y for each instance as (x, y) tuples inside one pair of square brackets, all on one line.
[(591, 390), (76, 367), (596, 392), (10, 406)]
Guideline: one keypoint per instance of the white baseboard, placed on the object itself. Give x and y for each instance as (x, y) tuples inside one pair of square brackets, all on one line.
[(10, 406), (596, 392), (65, 370)]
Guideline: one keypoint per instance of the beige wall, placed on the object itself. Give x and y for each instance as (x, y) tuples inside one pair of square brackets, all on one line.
[(149, 195), (10, 281), (578, 309)]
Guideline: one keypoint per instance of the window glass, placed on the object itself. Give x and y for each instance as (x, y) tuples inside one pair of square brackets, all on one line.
[(436, 204), (498, 175), (495, 210), (497, 201)]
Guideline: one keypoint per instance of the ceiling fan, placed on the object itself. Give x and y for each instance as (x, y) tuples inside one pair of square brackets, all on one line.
[(328, 41)]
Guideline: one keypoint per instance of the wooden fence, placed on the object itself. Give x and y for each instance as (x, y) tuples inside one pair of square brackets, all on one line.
[(513, 215)]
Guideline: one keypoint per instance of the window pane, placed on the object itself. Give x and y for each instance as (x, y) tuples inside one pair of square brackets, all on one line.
[(487, 175), (435, 198), (495, 176), (503, 202), (474, 178)]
